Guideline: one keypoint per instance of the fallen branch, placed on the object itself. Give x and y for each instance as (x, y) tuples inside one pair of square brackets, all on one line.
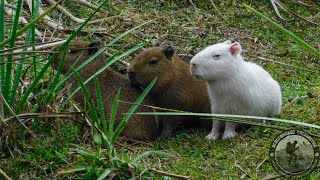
[(4, 175), (75, 19), (169, 174), (275, 7), (293, 13), (40, 47)]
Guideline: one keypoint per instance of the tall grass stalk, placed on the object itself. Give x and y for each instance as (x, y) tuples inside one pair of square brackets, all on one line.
[(29, 38), (8, 79), (2, 66), (243, 117)]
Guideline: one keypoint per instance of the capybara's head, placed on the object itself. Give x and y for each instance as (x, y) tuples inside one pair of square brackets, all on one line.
[(150, 64), (77, 53), (217, 61)]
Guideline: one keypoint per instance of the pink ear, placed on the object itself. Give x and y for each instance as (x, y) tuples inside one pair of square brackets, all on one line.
[(235, 48)]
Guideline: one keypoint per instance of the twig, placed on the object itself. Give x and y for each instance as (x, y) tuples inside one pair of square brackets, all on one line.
[(272, 177), (4, 175), (103, 19), (261, 163), (193, 5), (41, 47), (275, 7), (90, 5), (75, 19), (42, 115), (169, 174), (285, 64), (298, 98), (293, 13), (97, 32), (15, 116)]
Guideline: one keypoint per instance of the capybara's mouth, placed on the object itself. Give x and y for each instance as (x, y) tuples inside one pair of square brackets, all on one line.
[(133, 80)]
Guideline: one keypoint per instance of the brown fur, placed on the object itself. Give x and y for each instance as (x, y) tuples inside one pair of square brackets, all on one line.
[(138, 127), (174, 89)]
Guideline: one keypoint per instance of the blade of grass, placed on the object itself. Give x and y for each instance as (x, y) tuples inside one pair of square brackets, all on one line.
[(131, 110), (105, 173), (100, 106), (47, 65), (293, 36), (56, 78), (86, 93), (147, 153), (230, 116), (30, 37), (2, 18), (73, 169), (2, 66), (113, 113), (35, 12), (8, 79)]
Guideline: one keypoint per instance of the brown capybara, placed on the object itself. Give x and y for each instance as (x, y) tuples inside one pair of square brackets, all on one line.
[(175, 87), (142, 128)]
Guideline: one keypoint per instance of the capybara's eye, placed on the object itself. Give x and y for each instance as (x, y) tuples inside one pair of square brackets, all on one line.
[(72, 51), (153, 62), (217, 56)]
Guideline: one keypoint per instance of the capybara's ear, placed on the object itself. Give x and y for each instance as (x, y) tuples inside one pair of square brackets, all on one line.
[(168, 51), (156, 44), (94, 46), (235, 48)]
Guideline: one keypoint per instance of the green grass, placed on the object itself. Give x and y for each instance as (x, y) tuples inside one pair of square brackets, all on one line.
[(176, 23)]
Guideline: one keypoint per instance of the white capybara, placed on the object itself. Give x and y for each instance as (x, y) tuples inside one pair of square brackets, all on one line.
[(235, 86)]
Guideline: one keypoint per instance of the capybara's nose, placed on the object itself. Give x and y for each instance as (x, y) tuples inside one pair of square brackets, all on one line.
[(131, 75)]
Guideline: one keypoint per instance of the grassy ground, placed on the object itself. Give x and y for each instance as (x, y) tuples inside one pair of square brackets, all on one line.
[(188, 31)]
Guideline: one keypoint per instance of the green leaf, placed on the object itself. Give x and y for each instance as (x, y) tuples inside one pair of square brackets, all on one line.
[(131, 110), (113, 113), (292, 35), (100, 106), (8, 79), (2, 69), (147, 153), (84, 152), (105, 173), (93, 112), (74, 169)]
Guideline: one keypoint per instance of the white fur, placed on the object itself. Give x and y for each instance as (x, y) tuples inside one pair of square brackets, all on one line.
[(235, 86)]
